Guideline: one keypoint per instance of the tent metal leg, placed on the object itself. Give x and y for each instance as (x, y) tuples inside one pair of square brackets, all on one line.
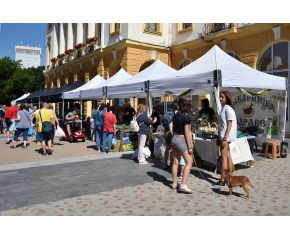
[(81, 117), (147, 103), (63, 109)]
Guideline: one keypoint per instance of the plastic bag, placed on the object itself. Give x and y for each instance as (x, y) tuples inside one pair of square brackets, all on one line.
[(160, 129), (60, 132), (146, 152), (30, 131), (12, 126), (114, 140)]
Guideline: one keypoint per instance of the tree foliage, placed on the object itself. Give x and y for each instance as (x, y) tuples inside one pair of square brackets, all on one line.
[(15, 81)]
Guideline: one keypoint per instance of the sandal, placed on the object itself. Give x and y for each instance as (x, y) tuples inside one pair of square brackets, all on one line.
[(12, 146), (143, 162), (185, 190), (24, 146)]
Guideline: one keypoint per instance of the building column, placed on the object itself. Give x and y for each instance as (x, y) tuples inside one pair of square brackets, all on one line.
[(80, 31), (61, 39), (54, 42), (69, 37), (91, 30)]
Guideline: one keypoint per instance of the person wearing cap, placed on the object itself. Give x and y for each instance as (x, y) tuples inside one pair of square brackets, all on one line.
[(69, 118)]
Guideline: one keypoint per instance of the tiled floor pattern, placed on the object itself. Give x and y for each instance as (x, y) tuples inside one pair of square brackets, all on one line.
[(270, 196)]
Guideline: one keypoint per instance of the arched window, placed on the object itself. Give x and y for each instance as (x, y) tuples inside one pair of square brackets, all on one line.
[(184, 64), (234, 55), (275, 59)]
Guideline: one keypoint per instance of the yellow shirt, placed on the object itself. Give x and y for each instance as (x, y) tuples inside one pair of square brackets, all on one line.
[(46, 115)]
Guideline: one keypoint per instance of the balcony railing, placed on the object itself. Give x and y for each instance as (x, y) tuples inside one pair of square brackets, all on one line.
[(217, 27)]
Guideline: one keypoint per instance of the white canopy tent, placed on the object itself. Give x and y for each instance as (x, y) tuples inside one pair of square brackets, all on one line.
[(97, 92), (22, 97), (135, 86), (76, 94), (214, 67)]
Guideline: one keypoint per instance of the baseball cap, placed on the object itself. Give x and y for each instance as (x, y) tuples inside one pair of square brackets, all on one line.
[(75, 109), (4, 106)]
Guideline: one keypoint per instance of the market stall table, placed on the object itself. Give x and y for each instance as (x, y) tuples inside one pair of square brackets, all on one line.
[(209, 151)]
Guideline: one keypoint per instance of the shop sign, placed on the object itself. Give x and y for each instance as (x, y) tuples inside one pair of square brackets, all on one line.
[(266, 112)]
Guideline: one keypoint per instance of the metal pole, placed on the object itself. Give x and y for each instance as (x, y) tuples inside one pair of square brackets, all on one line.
[(62, 107), (81, 110), (134, 101)]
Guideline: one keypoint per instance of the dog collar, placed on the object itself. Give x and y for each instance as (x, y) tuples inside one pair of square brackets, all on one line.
[(229, 180)]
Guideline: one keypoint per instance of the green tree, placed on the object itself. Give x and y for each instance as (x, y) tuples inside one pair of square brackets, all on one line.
[(14, 81), (7, 69)]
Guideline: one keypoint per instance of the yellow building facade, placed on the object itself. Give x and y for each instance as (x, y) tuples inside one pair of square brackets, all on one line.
[(249, 43)]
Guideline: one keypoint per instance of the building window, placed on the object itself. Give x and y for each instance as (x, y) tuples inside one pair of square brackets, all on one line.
[(115, 28), (153, 28), (185, 27), (275, 61), (184, 64), (234, 55)]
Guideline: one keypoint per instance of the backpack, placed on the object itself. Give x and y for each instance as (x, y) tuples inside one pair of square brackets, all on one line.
[(167, 118), (134, 125)]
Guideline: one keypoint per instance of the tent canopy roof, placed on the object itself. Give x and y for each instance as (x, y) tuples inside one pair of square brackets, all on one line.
[(97, 93), (199, 75), (134, 86), (93, 83)]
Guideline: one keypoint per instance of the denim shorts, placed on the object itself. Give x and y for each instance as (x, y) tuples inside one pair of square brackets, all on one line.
[(179, 144), (44, 136)]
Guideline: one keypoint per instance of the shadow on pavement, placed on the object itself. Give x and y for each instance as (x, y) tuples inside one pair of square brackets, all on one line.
[(204, 176), (227, 192), (160, 178)]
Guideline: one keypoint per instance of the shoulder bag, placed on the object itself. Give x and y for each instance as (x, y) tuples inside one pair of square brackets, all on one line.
[(134, 125), (7, 120), (46, 125)]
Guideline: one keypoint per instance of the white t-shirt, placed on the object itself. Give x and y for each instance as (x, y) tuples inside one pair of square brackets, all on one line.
[(226, 114)]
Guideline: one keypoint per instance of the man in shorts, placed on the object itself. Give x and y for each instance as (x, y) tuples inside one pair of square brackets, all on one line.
[(69, 119), (44, 115), (11, 113)]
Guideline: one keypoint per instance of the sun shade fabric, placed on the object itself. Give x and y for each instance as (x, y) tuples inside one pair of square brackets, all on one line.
[(22, 97), (35, 99), (199, 75), (97, 93), (77, 93), (58, 96), (45, 97), (134, 86)]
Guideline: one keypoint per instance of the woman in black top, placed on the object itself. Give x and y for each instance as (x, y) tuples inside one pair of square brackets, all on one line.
[(206, 112), (182, 144)]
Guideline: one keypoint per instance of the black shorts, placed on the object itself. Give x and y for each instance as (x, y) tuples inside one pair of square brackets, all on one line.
[(44, 136)]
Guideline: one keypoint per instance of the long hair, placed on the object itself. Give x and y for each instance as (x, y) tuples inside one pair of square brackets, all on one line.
[(205, 103), (229, 97), (141, 108), (184, 105)]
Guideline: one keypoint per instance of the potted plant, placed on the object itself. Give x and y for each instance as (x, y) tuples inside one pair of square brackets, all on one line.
[(79, 45), (69, 51), (59, 56)]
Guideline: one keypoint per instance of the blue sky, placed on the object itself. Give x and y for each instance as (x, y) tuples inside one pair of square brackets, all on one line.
[(12, 34)]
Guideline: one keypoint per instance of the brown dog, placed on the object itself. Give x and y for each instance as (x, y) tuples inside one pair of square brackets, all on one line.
[(234, 181)]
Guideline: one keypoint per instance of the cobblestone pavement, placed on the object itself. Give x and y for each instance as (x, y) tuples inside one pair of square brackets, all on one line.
[(61, 149), (270, 196)]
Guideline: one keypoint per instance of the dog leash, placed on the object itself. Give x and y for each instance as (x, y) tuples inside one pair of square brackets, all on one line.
[(199, 171)]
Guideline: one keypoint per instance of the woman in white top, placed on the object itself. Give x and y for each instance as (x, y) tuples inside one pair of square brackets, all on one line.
[(227, 133)]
